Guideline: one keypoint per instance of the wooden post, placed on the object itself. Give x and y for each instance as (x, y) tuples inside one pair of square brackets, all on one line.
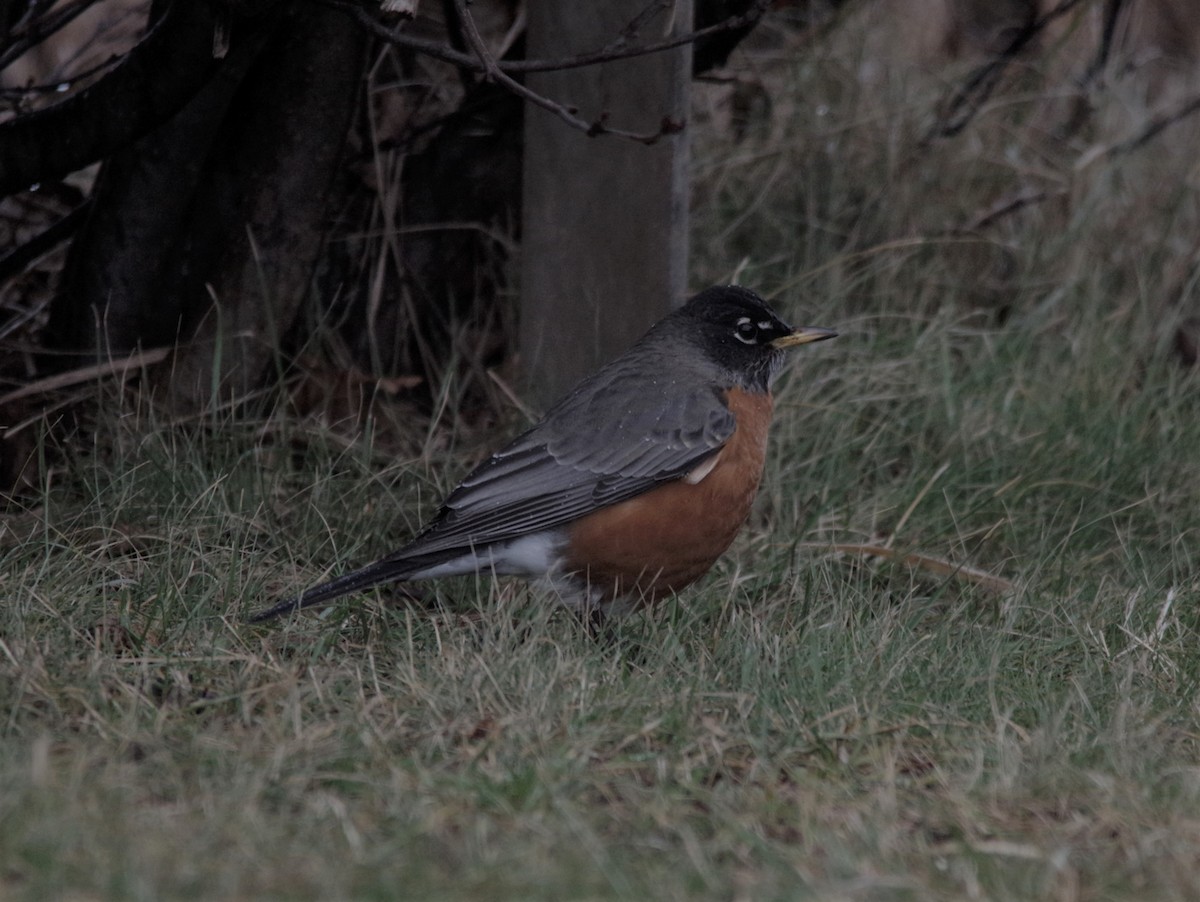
[(604, 238)]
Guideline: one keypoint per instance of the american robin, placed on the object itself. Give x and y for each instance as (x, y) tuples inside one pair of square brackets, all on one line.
[(632, 485)]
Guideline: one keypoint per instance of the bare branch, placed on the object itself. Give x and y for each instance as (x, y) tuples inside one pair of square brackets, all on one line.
[(1159, 124), (150, 84), (631, 31), (119, 367), (975, 91), (21, 256), (615, 51), (1004, 208), (492, 72), (35, 28), (1187, 108), (1112, 13)]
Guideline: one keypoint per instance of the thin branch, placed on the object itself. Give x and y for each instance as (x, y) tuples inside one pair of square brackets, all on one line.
[(32, 30), (22, 255), (1004, 208), (630, 32), (750, 17), (152, 82), (56, 87), (975, 91), (609, 54), (492, 72), (1159, 125), (90, 373), (1112, 13), (1189, 107)]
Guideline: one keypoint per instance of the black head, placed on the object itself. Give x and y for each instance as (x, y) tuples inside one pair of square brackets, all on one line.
[(740, 332)]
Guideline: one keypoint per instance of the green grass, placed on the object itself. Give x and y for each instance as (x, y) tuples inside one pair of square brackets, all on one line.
[(803, 723)]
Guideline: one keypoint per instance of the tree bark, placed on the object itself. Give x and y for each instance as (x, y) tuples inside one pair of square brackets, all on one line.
[(206, 232), (121, 285), (263, 223)]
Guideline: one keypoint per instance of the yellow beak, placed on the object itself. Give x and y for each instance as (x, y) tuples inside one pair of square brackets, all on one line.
[(803, 337)]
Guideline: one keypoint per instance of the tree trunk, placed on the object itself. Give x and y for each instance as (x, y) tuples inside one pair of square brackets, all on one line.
[(208, 229), (264, 223)]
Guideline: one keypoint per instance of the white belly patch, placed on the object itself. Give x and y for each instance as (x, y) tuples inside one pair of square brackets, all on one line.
[(529, 556)]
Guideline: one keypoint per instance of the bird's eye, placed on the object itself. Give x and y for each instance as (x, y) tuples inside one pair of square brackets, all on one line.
[(746, 331)]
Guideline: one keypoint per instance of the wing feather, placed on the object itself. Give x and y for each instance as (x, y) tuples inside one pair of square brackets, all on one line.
[(593, 449)]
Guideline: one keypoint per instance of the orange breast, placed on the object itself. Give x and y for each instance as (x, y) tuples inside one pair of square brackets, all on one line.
[(661, 541)]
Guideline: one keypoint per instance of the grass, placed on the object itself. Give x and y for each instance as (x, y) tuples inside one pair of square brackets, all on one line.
[(803, 723)]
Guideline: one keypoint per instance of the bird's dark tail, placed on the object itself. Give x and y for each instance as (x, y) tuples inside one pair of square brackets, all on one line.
[(385, 571)]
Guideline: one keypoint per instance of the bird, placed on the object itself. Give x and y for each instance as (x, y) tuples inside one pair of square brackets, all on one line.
[(630, 487)]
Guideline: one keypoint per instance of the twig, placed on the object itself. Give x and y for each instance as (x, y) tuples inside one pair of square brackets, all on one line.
[(31, 31), (974, 93), (920, 562), (1151, 131), (492, 72), (1112, 12), (87, 374), (1157, 126), (609, 54), (22, 255), (57, 86), (152, 82), (635, 25), (1005, 207)]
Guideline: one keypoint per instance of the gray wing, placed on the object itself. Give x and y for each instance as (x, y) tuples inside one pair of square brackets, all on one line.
[(614, 438)]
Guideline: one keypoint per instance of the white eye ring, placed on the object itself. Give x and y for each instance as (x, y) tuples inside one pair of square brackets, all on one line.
[(744, 335)]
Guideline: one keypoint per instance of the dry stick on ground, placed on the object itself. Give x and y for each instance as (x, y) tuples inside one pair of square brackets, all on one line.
[(919, 561), (634, 27)]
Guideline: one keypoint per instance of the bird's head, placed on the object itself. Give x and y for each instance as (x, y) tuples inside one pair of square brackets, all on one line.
[(740, 332)]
